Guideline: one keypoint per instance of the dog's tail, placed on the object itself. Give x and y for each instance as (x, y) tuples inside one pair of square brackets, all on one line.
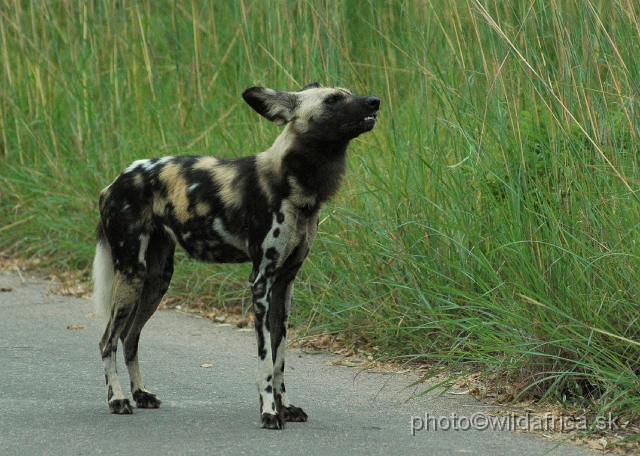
[(103, 274)]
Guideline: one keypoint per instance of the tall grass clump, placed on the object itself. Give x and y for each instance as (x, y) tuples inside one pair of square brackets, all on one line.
[(490, 220)]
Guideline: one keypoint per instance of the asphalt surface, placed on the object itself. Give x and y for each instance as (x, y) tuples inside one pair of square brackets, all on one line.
[(53, 397)]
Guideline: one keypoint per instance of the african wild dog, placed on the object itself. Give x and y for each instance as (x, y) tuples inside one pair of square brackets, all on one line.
[(261, 209)]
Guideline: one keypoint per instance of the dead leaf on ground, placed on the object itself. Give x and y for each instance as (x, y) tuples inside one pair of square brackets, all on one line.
[(347, 362), (206, 366), (6, 289), (75, 327), (170, 302)]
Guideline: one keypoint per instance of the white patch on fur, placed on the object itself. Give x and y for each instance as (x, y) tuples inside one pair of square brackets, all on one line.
[(170, 232), (289, 237), (134, 375), (147, 164), (265, 370), (138, 163), (163, 161), (103, 274), (229, 238), (142, 253), (278, 375)]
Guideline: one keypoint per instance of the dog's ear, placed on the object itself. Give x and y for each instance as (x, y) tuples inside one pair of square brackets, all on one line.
[(274, 105), (313, 85)]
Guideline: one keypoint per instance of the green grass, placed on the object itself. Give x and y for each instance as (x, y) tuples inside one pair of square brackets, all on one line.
[(489, 220)]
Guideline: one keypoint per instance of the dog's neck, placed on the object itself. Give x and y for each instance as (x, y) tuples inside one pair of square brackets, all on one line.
[(310, 170)]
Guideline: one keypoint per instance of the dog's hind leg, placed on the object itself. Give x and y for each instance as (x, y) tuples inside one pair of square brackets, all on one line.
[(159, 269), (126, 294)]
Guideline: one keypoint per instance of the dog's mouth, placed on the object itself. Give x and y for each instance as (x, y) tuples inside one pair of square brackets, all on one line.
[(368, 122)]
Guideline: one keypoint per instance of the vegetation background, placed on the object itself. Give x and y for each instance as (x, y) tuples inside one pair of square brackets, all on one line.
[(489, 221)]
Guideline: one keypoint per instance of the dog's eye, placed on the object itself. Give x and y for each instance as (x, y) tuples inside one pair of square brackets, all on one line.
[(332, 99)]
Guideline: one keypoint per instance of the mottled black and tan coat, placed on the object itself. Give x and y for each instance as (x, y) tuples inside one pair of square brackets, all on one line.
[(261, 209)]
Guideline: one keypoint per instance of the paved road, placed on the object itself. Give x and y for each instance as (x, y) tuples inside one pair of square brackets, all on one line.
[(53, 398)]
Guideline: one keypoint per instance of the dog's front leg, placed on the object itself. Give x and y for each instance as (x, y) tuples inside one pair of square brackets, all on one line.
[(281, 303), (261, 291)]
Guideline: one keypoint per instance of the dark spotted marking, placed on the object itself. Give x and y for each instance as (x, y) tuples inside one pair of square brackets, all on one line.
[(272, 254), (222, 211)]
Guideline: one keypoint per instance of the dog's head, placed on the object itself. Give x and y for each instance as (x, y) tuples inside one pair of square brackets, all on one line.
[(316, 112)]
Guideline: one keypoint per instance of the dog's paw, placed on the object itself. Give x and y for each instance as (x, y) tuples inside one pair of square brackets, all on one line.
[(294, 414), (145, 399), (120, 406), (269, 421)]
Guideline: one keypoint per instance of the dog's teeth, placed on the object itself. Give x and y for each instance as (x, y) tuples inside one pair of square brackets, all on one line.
[(369, 118)]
